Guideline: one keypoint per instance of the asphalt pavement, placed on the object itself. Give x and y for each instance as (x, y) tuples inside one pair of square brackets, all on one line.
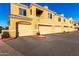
[(59, 44)]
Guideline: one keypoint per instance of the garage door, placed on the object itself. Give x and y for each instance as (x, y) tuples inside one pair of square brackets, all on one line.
[(24, 30), (57, 29), (45, 29), (66, 29)]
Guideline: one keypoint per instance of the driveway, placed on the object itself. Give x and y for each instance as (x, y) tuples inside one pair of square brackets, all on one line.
[(60, 44)]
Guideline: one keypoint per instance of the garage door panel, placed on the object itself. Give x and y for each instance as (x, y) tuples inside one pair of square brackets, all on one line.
[(24, 30), (66, 29), (57, 29), (45, 29)]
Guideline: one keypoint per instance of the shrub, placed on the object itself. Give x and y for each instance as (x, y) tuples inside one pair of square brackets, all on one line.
[(5, 35), (64, 31), (38, 33), (0, 31)]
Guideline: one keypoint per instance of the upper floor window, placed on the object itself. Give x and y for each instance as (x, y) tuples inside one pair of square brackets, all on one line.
[(64, 20), (38, 12), (78, 24), (22, 12), (49, 16), (59, 19), (74, 24), (70, 22)]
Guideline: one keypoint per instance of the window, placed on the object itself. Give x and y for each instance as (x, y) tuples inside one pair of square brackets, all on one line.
[(70, 26), (38, 12), (78, 24), (59, 19), (22, 12), (30, 11), (65, 26), (64, 20), (49, 16), (70, 21), (74, 24)]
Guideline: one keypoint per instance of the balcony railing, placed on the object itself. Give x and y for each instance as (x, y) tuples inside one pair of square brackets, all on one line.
[(20, 17)]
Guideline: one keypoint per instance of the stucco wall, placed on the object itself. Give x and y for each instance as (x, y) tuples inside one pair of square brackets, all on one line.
[(35, 20)]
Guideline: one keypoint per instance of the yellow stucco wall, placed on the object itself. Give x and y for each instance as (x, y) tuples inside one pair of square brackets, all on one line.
[(43, 19)]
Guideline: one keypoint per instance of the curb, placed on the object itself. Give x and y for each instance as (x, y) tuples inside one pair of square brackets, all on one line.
[(39, 37), (7, 38)]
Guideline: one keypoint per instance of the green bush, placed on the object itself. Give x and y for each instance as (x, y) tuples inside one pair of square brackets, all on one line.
[(64, 31), (5, 35), (0, 31), (38, 33)]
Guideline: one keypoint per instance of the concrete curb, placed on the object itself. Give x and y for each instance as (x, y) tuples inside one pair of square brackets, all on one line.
[(7, 38)]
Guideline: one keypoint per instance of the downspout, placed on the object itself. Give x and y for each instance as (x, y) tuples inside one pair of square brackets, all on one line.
[(38, 26)]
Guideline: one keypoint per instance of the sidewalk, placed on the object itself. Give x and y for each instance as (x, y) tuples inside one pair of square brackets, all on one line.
[(6, 50)]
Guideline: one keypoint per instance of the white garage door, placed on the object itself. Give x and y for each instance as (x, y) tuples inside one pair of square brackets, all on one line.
[(57, 29), (45, 29), (24, 30), (66, 29)]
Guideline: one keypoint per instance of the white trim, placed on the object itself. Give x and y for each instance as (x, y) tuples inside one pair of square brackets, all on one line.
[(21, 5), (12, 30), (44, 24)]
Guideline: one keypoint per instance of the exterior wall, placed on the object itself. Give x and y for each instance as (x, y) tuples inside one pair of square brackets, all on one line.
[(58, 24), (5, 31), (13, 25), (71, 25), (15, 9), (43, 19)]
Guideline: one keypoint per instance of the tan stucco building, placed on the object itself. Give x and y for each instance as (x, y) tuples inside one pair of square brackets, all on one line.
[(28, 20)]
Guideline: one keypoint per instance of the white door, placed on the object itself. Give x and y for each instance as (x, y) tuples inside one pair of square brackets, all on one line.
[(24, 30), (45, 29), (66, 29)]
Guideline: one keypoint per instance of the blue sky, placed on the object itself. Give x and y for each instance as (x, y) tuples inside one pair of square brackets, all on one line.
[(68, 9)]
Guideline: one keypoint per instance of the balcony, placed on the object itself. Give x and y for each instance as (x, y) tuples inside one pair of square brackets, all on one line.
[(20, 17)]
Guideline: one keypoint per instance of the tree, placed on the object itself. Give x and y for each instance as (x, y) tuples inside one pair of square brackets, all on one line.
[(1, 28), (6, 28)]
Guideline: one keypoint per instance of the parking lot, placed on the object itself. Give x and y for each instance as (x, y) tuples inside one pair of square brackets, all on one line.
[(60, 44)]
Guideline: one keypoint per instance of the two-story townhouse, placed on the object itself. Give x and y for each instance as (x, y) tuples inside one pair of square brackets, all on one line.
[(68, 25), (26, 21), (29, 20)]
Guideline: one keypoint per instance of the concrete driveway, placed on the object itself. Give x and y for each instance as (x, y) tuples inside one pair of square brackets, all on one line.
[(60, 44)]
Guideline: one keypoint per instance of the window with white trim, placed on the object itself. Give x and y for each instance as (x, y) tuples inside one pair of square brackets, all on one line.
[(22, 11), (49, 16)]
